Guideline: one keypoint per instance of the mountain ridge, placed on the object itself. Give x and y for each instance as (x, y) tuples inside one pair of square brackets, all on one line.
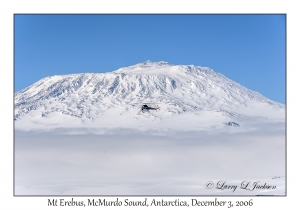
[(179, 89)]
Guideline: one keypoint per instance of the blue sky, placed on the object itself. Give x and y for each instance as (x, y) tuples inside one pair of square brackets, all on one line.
[(249, 49)]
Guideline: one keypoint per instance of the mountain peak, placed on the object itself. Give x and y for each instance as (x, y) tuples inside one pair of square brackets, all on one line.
[(149, 63), (165, 68), (143, 66)]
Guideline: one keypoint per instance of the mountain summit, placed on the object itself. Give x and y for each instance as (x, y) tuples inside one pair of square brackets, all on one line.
[(189, 96)]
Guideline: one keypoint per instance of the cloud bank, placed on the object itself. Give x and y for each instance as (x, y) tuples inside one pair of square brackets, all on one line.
[(129, 162)]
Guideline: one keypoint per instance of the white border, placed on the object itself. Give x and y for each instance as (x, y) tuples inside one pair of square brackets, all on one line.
[(8, 8)]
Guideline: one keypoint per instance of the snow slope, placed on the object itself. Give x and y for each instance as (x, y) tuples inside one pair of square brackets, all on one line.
[(190, 98)]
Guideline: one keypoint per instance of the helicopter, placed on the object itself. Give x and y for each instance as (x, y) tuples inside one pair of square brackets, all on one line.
[(145, 107)]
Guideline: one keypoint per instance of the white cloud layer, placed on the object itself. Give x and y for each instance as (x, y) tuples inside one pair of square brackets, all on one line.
[(128, 162)]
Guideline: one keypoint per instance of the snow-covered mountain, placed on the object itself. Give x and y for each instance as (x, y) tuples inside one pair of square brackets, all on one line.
[(189, 96)]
